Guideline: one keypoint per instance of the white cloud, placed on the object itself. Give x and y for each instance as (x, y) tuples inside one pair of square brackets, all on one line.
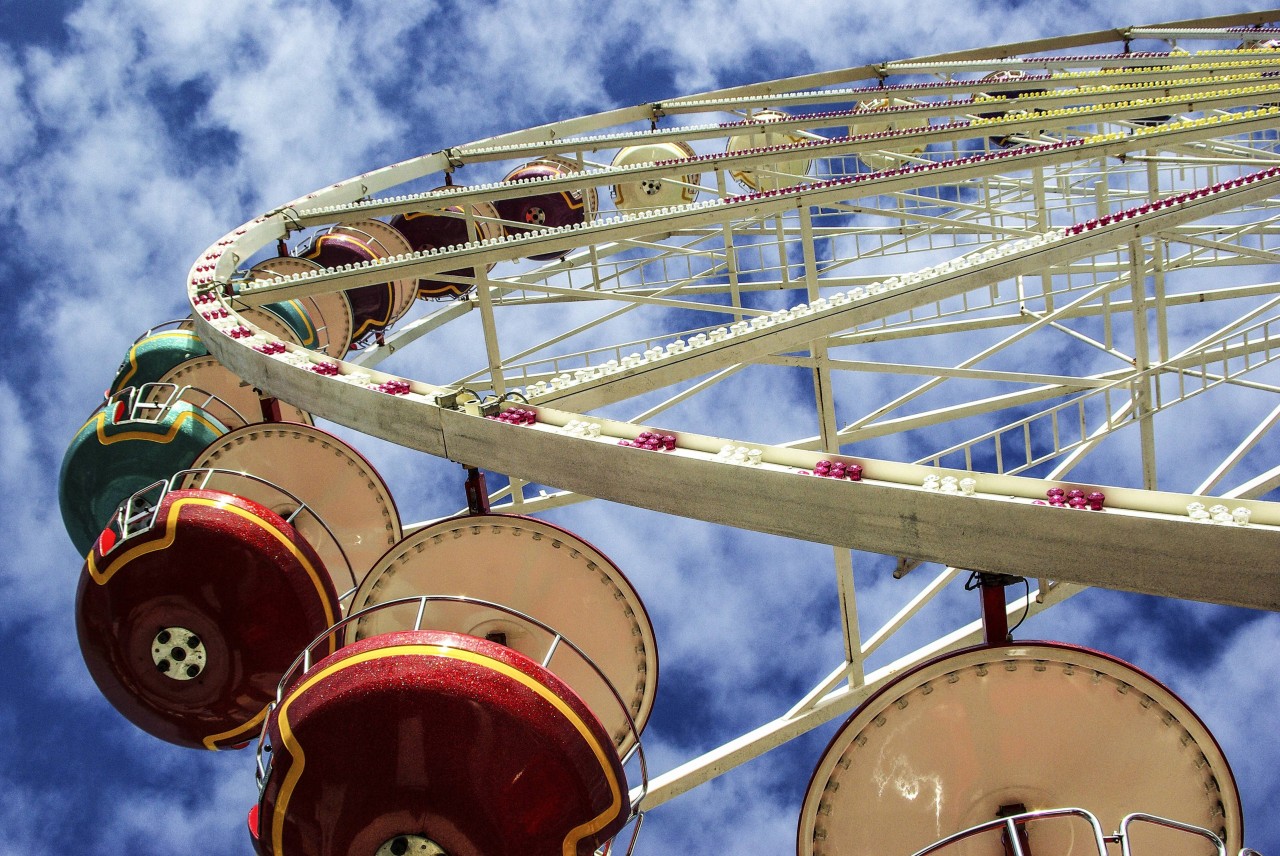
[(16, 125)]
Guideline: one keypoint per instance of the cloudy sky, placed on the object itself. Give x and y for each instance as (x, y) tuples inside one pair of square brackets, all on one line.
[(134, 134)]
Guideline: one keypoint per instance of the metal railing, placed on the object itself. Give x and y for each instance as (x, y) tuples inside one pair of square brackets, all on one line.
[(1014, 833), (137, 514)]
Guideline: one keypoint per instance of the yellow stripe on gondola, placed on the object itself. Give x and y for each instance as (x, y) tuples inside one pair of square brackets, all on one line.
[(99, 423), (368, 323), (569, 846), (102, 577), (385, 320), (305, 317), (212, 741)]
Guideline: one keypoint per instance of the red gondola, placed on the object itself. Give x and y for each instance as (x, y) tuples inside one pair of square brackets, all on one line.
[(190, 608), (429, 230), (439, 741), (373, 307)]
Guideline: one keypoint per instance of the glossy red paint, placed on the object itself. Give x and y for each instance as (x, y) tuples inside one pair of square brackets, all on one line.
[(229, 571), (427, 230), (442, 735)]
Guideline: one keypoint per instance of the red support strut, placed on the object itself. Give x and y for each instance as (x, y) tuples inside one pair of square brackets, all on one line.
[(270, 408), (477, 493), (995, 615)]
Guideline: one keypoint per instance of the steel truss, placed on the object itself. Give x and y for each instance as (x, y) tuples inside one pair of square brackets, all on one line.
[(1002, 286)]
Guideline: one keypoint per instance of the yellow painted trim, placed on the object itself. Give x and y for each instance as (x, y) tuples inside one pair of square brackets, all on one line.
[(446, 288), (170, 525), (383, 322), (570, 843), (132, 357), (212, 740), (315, 248), (568, 198), (150, 437), (369, 323), (312, 336), (102, 577)]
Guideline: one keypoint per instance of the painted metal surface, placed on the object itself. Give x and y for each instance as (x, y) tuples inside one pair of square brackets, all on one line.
[(329, 314), (215, 581), (447, 737), (428, 230), (889, 114), (333, 479), (373, 307), (773, 176), (653, 192), (208, 375), (539, 569), (152, 357), (121, 449), (1005, 729), (560, 208)]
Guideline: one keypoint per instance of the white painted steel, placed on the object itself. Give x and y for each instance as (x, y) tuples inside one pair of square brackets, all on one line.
[(1114, 240)]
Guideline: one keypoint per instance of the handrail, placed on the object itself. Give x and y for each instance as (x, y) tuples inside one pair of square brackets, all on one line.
[(1155, 820), (1014, 834), (1011, 825), (141, 505)]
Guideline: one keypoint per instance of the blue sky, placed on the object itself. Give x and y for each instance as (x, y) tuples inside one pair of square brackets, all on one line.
[(136, 133)]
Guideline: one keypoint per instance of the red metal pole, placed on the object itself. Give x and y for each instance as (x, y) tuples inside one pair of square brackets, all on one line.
[(270, 408), (477, 493), (995, 615)]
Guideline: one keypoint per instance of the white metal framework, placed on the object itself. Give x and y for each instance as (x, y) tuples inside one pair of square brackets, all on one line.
[(976, 288)]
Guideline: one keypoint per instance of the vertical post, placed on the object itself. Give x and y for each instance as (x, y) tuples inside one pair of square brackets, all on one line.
[(730, 251), (824, 401), (995, 614), (1145, 393), (477, 493), (484, 291), (1042, 224), (270, 405)]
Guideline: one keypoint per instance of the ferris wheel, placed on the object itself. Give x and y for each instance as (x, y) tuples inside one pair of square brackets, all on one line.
[(953, 310)]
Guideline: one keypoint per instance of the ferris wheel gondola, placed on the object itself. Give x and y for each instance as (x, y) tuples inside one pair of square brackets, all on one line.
[(1006, 729), (426, 230), (556, 209), (139, 436), (441, 739), (190, 607), (374, 308), (353, 519), (535, 568), (323, 321)]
